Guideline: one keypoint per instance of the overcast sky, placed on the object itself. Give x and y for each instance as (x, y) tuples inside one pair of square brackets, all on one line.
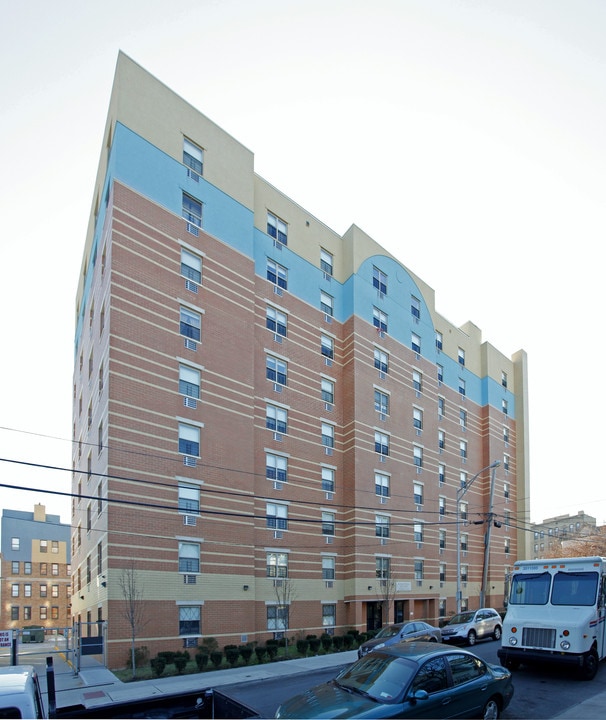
[(465, 136)]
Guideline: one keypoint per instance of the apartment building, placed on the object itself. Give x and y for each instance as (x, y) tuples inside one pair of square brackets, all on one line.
[(36, 577), (552, 535), (272, 423)]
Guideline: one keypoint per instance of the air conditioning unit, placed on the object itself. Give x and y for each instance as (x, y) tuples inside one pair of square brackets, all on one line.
[(329, 495), (277, 485), (189, 579), (328, 361), (328, 451), (278, 437), (383, 541), (328, 318), (190, 344), (193, 229), (278, 290), (193, 175), (189, 461), (329, 583), (190, 402), (189, 520), (278, 583), (191, 286), (277, 387), (382, 417), (329, 539), (278, 338), (382, 500), (328, 407), (277, 534)]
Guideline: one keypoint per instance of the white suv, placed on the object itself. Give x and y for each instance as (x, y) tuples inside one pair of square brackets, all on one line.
[(467, 627)]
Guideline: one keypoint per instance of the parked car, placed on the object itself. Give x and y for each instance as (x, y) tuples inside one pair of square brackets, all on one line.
[(408, 680), (401, 632), (467, 627)]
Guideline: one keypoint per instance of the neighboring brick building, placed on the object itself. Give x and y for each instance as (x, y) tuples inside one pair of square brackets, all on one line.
[(267, 413), (36, 578), (551, 535)]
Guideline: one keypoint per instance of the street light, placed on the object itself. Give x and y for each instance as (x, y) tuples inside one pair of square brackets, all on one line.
[(460, 492)]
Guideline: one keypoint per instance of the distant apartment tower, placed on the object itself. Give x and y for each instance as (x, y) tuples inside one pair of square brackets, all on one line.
[(271, 420), (551, 535), (36, 578)]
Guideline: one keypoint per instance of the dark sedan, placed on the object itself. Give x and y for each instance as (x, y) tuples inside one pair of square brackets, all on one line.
[(401, 632), (408, 680)]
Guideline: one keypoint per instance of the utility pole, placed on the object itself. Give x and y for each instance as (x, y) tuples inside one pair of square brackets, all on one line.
[(487, 540)]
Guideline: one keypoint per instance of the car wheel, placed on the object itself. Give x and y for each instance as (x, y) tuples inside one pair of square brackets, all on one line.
[(491, 709), (471, 637), (497, 633), (433, 639), (590, 665)]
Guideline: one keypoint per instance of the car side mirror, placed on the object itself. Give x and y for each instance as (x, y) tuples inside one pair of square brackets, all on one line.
[(418, 695)]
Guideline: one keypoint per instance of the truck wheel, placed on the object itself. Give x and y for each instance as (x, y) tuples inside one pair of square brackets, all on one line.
[(590, 665), (471, 637)]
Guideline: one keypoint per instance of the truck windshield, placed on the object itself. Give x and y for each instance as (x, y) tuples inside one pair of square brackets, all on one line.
[(530, 589), (574, 588)]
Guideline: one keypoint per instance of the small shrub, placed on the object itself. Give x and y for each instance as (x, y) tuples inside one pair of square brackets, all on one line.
[(216, 658), (326, 641), (168, 656), (232, 654), (314, 644), (348, 641), (260, 652), (157, 664), (210, 643), (272, 651), (337, 642), (201, 660), (302, 646), (246, 651), (141, 657), (181, 660)]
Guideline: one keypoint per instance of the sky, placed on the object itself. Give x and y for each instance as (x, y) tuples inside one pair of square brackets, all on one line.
[(465, 136)]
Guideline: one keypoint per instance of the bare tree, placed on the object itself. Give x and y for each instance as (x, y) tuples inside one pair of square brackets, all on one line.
[(386, 593), (285, 595), (133, 610)]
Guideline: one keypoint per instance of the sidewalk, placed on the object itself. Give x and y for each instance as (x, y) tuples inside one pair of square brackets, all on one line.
[(96, 685)]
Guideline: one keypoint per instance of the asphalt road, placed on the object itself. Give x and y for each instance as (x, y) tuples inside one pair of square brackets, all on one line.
[(540, 693)]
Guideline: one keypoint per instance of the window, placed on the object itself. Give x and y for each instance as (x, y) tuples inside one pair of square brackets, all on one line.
[(463, 418), (189, 382), (193, 156), (54, 569), (417, 381), (463, 508), (15, 590), (381, 360), (382, 526), (464, 542), (43, 546), (328, 479), (442, 539), (43, 590), (415, 307), (43, 612), (190, 323), (326, 303), (189, 557), (14, 612), (55, 591), (505, 407), (441, 474), (191, 266), (328, 568), (277, 565), (442, 572), (275, 321), (506, 547), (417, 489), (505, 434), (463, 448), (441, 407), (328, 391), (55, 612), (506, 462), (15, 543), (440, 373), (14, 567), (99, 558), (277, 274), (439, 340), (189, 499), (44, 568), (328, 435), (189, 620), (461, 355), (277, 618), (381, 402), (417, 453), (382, 567), (277, 228), (189, 440), (326, 261), (417, 418), (504, 379), (462, 387), (27, 568), (415, 342), (328, 523), (276, 467), (379, 280), (192, 211), (418, 570), (276, 419), (506, 491), (327, 346), (381, 485), (381, 443), (465, 668), (276, 516), (442, 506), (379, 319), (275, 370)]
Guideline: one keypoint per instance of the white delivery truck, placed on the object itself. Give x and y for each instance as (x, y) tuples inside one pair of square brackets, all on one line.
[(556, 614)]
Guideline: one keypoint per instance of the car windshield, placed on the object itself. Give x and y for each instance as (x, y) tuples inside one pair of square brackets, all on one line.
[(461, 618), (382, 677), (388, 631), (530, 589), (578, 588)]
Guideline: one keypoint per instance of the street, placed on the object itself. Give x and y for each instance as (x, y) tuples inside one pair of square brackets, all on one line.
[(539, 693)]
